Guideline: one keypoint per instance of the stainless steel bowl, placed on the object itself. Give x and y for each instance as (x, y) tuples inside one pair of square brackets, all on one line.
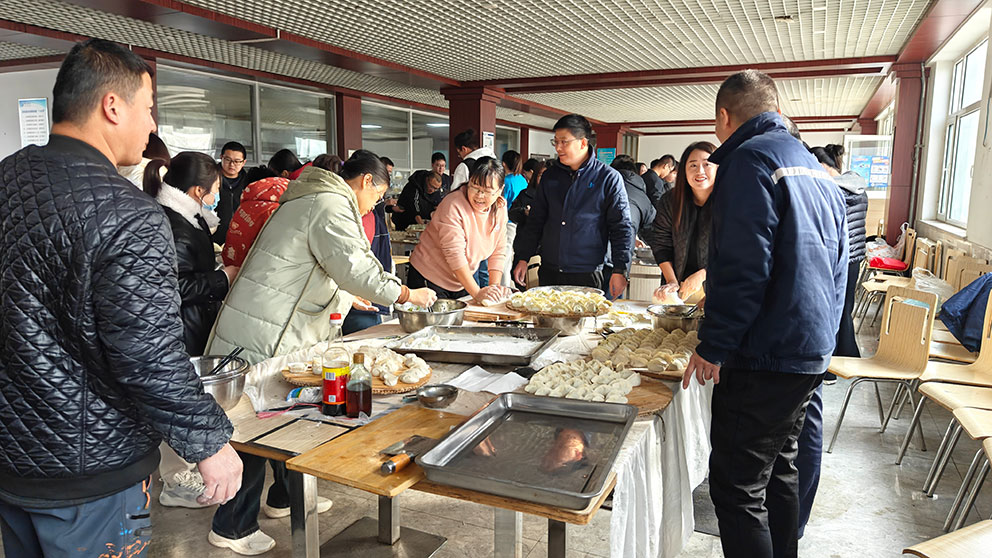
[(567, 326), (446, 313), (678, 310), (437, 396), (661, 319), (228, 384)]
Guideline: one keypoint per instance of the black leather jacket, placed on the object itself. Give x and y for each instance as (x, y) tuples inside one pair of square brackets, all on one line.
[(93, 372), (202, 287)]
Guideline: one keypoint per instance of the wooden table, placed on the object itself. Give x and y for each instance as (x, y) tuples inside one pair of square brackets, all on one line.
[(280, 438)]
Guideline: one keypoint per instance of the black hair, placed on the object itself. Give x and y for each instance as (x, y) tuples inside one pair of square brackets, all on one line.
[(92, 69), (260, 172), (624, 162), (512, 161), (387, 161), (539, 168), (284, 160), (530, 165), (747, 94), (483, 172), (156, 148), (468, 138), (669, 159), (641, 164), (791, 127), (362, 162), (681, 191), (234, 146), (579, 126), (830, 155), (438, 156), (187, 169), (328, 162)]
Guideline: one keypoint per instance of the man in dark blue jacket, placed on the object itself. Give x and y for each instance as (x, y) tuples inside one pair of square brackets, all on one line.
[(775, 290), (580, 209)]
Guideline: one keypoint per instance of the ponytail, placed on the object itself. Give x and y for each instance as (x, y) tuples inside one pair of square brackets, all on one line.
[(837, 153), (186, 170), (152, 180)]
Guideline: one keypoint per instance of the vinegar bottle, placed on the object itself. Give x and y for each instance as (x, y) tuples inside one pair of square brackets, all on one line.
[(359, 388), (335, 364)]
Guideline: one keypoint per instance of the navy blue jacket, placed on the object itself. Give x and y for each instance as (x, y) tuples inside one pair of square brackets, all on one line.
[(964, 313), (383, 252), (777, 270), (575, 216)]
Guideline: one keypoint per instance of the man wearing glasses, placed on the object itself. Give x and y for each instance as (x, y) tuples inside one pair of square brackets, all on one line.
[(232, 184)]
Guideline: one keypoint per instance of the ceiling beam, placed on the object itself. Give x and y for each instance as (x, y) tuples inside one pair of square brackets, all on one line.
[(878, 65)]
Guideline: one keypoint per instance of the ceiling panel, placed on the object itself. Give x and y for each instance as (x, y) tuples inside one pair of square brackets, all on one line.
[(14, 51), (802, 97), (486, 39)]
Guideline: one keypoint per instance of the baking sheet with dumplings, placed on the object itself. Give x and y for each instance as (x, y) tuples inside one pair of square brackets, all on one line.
[(559, 303), (590, 380), (656, 353)]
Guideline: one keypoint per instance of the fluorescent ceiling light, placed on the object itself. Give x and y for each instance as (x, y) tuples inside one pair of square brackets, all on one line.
[(371, 126), (437, 124)]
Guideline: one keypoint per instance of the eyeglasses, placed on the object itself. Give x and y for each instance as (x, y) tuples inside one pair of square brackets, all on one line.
[(483, 191), (563, 143), (230, 161)]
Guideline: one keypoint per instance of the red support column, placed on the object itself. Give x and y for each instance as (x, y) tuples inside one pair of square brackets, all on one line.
[(909, 86), (470, 107), (610, 136), (524, 142), (347, 124), (869, 126)]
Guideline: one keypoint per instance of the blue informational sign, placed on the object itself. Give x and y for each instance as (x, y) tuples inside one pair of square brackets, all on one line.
[(606, 154), (875, 169)]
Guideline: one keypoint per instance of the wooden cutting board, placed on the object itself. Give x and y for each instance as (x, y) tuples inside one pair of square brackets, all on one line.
[(479, 313), (353, 459), (650, 397)]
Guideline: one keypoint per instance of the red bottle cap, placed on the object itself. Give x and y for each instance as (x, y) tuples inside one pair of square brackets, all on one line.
[(335, 316)]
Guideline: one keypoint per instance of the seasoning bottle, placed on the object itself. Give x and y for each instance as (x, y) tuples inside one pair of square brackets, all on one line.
[(359, 388), (335, 365)]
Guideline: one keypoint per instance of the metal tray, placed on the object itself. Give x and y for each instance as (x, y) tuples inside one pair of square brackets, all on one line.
[(525, 431), (485, 353)]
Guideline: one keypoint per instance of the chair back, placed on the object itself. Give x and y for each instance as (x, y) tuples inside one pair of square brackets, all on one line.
[(955, 266), (938, 259), (973, 270), (924, 255), (906, 328), (984, 361), (945, 261), (909, 247)]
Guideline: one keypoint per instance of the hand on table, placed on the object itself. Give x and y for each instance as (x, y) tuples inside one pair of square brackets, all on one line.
[(492, 293), (520, 273), (361, 304), (221, 474), (702, 369), (618, 284), (692, 284), (424, 298)]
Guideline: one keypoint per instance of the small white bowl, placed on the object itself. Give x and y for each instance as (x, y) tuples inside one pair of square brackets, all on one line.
[(298, 367)]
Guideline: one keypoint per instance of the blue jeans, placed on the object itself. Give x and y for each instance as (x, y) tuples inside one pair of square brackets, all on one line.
[(356, 320), (239, 517), (810, 455), (115, 525), (482, 276)]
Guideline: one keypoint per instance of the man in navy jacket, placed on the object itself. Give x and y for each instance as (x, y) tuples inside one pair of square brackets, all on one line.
[(775, 291), (579, 212)]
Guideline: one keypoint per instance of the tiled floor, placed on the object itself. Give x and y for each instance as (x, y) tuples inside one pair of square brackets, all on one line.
[(866, 506)]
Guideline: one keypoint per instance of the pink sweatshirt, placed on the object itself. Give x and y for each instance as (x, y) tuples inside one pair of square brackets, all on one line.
[(459, 236)]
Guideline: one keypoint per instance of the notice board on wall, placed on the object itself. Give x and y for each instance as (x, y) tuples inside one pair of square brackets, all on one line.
[(33, 117)]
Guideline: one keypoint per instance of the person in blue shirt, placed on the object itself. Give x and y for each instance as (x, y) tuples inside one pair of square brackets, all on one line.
[(775, 284), (514, 183)]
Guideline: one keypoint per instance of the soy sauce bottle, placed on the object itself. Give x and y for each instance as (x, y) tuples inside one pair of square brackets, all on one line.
[(359, 388), (335, 364)]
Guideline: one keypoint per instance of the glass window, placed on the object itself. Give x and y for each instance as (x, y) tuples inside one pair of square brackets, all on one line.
[(505, 140), (974, 72), (430, 135), (386, 132), (960, 189), (198, 112), (294, 120)]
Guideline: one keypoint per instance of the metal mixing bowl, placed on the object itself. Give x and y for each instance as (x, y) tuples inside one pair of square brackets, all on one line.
[(228, 384), (567, 326), (446, 313), (437, 396), (662, 319)]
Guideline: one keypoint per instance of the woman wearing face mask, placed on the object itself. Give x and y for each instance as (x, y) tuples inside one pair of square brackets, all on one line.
[(188, 193), (468, 227), (680, 234)]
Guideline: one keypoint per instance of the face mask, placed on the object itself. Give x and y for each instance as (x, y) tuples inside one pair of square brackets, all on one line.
[(212, 206)]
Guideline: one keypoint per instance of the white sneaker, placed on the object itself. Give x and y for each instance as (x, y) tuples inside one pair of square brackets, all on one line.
[(188, 485), (255, 543), (323, 504)]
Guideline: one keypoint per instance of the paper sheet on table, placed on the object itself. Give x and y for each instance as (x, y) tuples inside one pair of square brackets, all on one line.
[(477, 379)]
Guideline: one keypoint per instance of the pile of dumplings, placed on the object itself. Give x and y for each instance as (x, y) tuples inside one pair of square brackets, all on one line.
[(586, 380), (656, 350), (393, 368), (425, 342), (617, 319), (560, 302)]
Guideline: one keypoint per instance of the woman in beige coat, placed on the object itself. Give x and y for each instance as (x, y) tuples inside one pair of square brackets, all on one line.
[(311, 259)]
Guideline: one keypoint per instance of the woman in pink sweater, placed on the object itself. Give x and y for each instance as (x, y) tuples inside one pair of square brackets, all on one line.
[(468, 226)]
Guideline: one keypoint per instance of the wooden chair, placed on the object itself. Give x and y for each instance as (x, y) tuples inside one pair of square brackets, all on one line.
[(973, 540), (977, 423), (971, 271), (955, 267), (948, 254), (903, 350)]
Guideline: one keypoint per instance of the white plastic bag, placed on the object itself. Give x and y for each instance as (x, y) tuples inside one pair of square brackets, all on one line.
[(928, 282), (877, 248), (900, 247)]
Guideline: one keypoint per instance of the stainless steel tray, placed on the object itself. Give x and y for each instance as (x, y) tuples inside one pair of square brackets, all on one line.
[(486, 353), (526, 434)]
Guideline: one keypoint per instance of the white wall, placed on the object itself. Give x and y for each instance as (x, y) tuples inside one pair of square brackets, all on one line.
[(653, 147), (21, 85)]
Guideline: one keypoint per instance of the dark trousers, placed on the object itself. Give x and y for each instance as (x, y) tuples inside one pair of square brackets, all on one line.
[(757, 418), (115, 525), (357, 320), (810, 456), (846, 343), (548, 277), (415, 280), (482, 275), (239, 517)]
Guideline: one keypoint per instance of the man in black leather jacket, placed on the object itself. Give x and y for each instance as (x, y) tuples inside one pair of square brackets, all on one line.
[(93, 374)]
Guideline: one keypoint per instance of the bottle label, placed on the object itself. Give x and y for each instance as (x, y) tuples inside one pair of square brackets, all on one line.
[(335, 380)]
